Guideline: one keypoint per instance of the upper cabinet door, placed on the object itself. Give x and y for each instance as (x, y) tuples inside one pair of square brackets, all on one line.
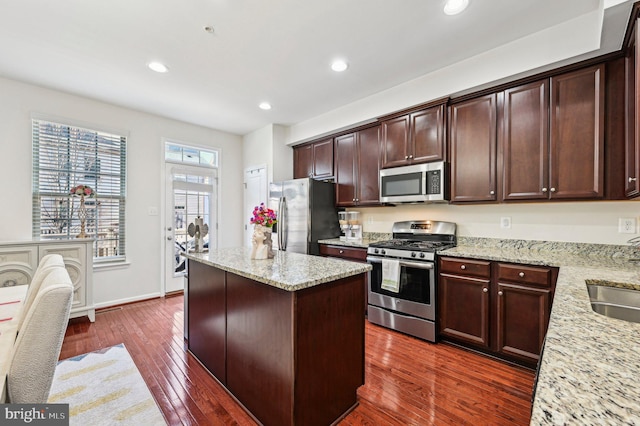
[(323, 159), (632, 102), (368, 184), (395, 141), (427, 135), (577, 134), (346, 170), (473, 149), (303, 161), (525, 142)]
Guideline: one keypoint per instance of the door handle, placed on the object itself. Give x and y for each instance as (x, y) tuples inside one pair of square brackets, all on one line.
[(169, 238)]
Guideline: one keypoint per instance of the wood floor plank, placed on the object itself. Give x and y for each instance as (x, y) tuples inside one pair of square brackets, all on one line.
[(407, 381)]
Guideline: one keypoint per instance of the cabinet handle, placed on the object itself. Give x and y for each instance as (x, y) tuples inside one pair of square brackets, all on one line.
[(553, 190), (500, 293), (632, 179), (492, 192), (485, 290), (521, 274), (544, 189), (341, 251), (463, 267)]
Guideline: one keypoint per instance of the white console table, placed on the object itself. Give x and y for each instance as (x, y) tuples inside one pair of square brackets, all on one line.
[(19, 260)]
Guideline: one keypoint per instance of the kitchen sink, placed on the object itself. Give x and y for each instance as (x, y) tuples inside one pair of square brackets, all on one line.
[(614, 302)]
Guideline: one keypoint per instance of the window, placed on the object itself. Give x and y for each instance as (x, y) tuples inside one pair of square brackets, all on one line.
[(65, 156)]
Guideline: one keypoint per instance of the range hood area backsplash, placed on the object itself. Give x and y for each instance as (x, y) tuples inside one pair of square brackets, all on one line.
[(582, 222)]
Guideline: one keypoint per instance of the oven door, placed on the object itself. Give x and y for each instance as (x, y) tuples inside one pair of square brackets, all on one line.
[(416, 294)]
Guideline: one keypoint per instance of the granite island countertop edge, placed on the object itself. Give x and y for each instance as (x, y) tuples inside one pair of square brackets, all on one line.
[(287, 271)]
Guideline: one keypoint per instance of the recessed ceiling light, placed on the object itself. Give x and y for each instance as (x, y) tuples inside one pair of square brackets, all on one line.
[(265, 106), (158, 67), (339, 66), (453, 7)]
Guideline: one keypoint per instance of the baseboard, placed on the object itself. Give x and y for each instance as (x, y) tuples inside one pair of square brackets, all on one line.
[(127, 300)]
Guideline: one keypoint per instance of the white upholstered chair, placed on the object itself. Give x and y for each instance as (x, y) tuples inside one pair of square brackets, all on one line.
[(37, 347), (47, 264)]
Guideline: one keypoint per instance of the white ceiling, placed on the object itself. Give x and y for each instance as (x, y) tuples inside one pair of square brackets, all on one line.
[(277, 51)]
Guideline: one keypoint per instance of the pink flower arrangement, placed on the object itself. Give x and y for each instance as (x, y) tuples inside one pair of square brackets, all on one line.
[(85, 190), (263, 216)]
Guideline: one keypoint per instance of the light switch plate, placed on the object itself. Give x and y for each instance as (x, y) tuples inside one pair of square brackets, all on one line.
[(153, 211), (505, 222)]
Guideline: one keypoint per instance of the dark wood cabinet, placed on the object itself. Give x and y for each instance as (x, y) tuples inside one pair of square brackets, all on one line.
[(525, 142), (464, 301), (577, 134), (357, 165), (500, 308), (416, 137), (355, 254), (472, 138), (632, 104), (314, 160)]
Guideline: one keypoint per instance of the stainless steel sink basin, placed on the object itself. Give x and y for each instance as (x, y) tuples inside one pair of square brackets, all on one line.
[(614, 302)]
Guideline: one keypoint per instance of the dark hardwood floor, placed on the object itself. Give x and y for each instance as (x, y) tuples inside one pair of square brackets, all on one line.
[(407, 381)]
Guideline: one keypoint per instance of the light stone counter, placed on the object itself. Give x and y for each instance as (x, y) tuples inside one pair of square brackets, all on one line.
[(590, 368), (288, 271)]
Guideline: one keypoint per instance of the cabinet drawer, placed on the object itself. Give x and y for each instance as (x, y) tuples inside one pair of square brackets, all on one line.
[(473, 268), (349, 253), (540, 276)]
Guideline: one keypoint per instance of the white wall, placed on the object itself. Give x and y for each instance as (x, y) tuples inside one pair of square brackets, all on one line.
[(143, 276), (267, 146), (585, 222), (569, 39)]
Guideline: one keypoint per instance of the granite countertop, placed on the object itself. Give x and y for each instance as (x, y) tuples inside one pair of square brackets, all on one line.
[(288, 271), (367, 238), (589, 368)]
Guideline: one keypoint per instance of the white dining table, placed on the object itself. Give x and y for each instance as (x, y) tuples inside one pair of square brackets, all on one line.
[(11, 303)]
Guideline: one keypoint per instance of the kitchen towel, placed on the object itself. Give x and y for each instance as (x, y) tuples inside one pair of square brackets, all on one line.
[(390, 275)]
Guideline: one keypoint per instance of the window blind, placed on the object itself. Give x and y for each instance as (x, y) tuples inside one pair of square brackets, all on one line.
[(65, 156)]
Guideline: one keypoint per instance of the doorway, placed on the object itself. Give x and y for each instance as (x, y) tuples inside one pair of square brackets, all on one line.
[(191, 191)]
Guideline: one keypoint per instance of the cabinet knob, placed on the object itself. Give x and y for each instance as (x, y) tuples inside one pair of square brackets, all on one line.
[(553, 190), (485, 290), (354, 200), (406, 157), (463, 267), (500, 293), (521, 274), (341, 251), (410, 157), (544, 189), (632, 179), (492, 192), (357, 200)]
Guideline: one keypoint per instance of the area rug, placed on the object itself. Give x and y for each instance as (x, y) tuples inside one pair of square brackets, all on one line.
[(104, 388)]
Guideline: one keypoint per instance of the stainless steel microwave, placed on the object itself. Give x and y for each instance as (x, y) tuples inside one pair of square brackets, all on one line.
[(413, 184)]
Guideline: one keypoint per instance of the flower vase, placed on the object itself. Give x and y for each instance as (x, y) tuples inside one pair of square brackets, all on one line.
[(82, 215), (261, 243)]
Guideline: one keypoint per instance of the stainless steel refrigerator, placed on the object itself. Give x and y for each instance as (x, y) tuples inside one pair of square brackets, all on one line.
[(306, 212)]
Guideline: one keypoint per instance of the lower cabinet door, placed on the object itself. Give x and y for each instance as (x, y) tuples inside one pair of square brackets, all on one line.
[(464, 309), (522, 320)]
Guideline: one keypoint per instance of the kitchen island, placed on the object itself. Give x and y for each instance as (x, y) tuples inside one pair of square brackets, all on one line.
[(285, 336)]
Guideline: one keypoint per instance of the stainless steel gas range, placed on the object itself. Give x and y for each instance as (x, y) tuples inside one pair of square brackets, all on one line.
[(402, 284)]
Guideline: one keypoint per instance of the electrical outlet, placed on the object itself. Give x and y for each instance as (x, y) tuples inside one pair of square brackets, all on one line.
[(627, 225), (153, 211), (505, 222)]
